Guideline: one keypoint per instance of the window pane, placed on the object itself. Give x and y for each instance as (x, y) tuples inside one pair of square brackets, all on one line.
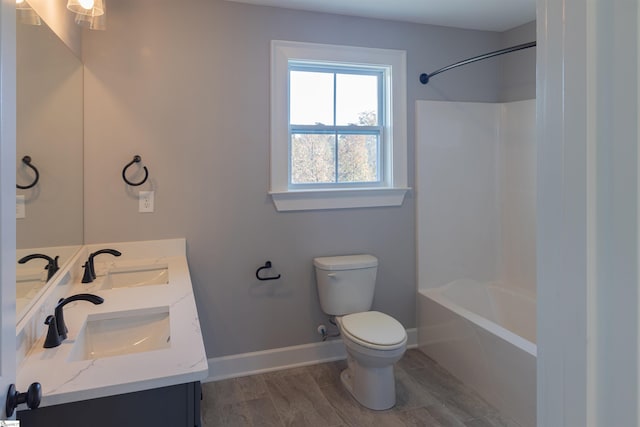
[(311, 98), (356, 100), (313, 158), (358, 158)]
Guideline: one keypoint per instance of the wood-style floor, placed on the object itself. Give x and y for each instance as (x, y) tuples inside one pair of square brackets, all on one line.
[(427, 395)]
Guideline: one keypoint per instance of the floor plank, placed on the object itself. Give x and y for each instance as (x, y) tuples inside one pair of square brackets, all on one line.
[(427, 395), (299, 401)]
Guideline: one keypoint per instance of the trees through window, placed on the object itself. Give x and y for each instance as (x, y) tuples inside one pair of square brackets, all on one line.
[(335, 125)]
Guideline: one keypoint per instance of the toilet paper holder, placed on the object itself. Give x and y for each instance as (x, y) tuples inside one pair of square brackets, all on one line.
[(267, 265)]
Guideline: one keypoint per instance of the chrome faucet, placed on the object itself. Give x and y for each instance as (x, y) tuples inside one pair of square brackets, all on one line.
[(89, 268), (52, 266), (57, 328)]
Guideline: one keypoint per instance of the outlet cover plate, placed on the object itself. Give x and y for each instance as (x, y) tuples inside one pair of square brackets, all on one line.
[(146, 201)]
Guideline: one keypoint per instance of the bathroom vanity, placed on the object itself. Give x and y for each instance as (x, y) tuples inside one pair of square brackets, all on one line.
[(177, 405), (136, 359)]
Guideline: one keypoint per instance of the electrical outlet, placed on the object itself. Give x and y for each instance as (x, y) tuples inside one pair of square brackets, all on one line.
[(21, 210), (145, 201)]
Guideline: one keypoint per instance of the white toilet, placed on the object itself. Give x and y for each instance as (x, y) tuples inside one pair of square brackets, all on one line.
[(374, 340)]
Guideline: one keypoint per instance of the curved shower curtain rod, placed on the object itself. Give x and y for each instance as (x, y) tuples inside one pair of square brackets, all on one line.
[(424, 77)]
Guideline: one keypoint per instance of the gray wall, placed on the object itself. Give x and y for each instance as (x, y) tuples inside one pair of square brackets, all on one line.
[(518, 68), (186, 85), (49, 128)]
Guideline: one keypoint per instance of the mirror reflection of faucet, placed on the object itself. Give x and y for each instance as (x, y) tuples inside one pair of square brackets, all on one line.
[(89, 266), (57, 328), (52, 266)]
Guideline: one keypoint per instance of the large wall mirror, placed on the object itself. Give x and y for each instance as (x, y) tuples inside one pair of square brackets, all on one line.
[(49, 130)]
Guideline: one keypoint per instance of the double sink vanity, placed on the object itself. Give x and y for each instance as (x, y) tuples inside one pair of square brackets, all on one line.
[(135, 359)]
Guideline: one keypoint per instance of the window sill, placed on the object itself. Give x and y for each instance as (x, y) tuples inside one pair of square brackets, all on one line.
[(337, 199)]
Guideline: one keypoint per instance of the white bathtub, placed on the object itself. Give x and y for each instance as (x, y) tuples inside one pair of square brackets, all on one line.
[(485, 336)]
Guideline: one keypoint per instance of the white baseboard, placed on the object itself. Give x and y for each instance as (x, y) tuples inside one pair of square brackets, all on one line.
[(240, 365)]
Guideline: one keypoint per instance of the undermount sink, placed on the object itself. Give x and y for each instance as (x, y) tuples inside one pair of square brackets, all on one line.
[(131, 277), (116, 334)]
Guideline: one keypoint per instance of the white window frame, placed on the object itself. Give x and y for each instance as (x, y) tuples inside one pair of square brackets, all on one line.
[(390, 192)]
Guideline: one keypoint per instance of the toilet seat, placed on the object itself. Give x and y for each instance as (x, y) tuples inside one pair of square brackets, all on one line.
[(374, 330)]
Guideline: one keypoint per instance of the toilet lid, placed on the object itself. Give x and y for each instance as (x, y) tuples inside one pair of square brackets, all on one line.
[(374, 328)]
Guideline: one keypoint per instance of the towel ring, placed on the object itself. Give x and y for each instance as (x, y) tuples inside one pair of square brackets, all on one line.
[(266, 266), (27, 161), (136, 159)]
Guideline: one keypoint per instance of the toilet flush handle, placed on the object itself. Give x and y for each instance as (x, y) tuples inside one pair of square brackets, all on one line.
[(331, 274)]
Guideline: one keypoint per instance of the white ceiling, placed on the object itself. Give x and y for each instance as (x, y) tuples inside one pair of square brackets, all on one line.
[(490, 15)]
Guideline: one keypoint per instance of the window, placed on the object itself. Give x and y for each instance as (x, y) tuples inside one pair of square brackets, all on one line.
[(338, 126), (335, 126)]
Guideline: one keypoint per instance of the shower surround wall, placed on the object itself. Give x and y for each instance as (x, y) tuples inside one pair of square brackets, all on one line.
[(476, 193), (517, 184)]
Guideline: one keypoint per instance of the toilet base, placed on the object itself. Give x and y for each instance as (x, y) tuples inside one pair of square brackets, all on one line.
[(373, 388)]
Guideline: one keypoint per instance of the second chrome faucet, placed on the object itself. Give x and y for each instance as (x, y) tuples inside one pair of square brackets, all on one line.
[(89, 267)]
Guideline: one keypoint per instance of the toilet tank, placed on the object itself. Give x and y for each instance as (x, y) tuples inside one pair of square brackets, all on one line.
[(346, 284)]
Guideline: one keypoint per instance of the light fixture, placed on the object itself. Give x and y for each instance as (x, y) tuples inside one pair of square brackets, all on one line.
[(92, 22), (91, 14), (91, 8), (22, 5), (25, 14)]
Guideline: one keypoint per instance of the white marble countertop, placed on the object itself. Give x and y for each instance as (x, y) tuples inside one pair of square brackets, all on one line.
[(31, 277), (65, 380)]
